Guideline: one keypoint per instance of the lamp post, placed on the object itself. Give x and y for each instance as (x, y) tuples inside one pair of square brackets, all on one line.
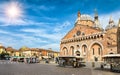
[(48, 55), (40, 55)]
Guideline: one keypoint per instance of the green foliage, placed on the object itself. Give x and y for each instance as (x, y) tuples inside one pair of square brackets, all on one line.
[(3, 55)]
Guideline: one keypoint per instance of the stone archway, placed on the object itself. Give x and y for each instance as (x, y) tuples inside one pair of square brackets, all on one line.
[(72, 50), (65, 51), (97, 43), (96, 51), (84, 49)]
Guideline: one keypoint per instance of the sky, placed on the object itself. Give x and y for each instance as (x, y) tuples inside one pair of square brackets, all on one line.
[(43, 23)]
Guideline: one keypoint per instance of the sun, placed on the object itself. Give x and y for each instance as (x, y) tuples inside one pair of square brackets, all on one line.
[(13, 10)]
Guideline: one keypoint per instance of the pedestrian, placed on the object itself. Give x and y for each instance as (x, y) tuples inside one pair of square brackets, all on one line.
[(24, 60), (57, 60), (29, 60), (33, 60), (63, 62)]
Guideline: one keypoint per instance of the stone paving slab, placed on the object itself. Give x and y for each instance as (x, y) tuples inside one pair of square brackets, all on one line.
[(48, 69)]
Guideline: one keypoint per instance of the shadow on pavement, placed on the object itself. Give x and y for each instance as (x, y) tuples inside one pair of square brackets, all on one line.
[(107, 70)]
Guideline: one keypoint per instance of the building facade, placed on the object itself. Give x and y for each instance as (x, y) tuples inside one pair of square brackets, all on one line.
[(2, 49), (29, 52), (88, 39)]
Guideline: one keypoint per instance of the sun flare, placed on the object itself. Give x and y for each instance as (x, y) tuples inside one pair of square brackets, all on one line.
[(13, 10)]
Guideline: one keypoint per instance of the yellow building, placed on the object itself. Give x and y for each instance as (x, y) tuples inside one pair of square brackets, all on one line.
[(10, 51), (2, 49), (56, 54), (29, 52), (16, 53)]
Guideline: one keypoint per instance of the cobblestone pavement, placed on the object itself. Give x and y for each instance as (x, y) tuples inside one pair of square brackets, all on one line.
[(47, 69)]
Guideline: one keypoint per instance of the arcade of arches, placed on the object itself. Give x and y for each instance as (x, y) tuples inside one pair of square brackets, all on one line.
[(89, 40), (92, 54)]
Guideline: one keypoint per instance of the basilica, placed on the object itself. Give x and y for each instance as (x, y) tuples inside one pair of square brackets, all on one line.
[(88, 39)]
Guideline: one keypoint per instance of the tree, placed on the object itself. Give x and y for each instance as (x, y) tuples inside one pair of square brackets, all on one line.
[(3, 55)]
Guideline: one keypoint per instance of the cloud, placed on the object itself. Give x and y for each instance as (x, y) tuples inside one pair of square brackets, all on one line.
[(44, 33), (18, 40), (4, 32), (62, 26), (24, 20), (54, 46), (104, 18), (52, 37), (20, 22), (49, 18), (43, 7)]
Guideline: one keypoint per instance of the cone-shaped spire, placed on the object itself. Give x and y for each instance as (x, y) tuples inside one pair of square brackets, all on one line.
[(96, 13), (78, 19), (96, 20), (111, 20), (79, 14)]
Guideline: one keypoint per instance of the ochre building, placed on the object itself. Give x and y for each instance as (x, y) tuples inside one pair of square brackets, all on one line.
[(88, 39)]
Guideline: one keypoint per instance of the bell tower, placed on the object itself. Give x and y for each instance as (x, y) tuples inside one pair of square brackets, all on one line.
[(96, 15), (78, 19), (111, 22), (96, 20), (118, 38)]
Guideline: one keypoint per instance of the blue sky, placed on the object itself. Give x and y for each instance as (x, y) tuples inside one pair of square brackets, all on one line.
[(42, 23)]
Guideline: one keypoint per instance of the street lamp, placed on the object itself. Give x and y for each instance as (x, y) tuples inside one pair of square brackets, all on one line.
[(48, 54), (40, 54)]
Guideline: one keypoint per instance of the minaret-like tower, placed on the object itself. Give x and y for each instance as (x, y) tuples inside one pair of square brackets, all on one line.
[(118, 38), (96, 20), (111, 22), (78, 19), (79, 14), (96, 15)]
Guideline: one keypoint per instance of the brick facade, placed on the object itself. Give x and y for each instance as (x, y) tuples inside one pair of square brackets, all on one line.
[(89, 40)]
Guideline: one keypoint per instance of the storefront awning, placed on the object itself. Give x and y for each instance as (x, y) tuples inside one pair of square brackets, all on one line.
[(111, 55), (46, 57)]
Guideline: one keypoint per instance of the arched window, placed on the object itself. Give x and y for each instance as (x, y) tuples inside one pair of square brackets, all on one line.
[(96, 49), (84, 47), (99, 50), (65, 51), (72, 50), (93, 51)]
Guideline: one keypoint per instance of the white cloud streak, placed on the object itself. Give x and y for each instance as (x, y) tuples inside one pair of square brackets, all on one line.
[(60, 27), (23, 20), (43, 7), (104, 18), (54, 46)]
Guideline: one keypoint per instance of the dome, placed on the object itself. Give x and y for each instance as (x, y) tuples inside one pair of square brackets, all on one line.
[(110, 27), (85, 17)]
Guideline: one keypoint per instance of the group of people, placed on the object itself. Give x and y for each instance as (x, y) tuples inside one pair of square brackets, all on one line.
[(31, 60), (25, 60)]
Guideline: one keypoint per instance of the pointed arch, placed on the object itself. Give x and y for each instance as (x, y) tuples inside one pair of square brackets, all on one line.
[(72, 50), (64, 51)]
